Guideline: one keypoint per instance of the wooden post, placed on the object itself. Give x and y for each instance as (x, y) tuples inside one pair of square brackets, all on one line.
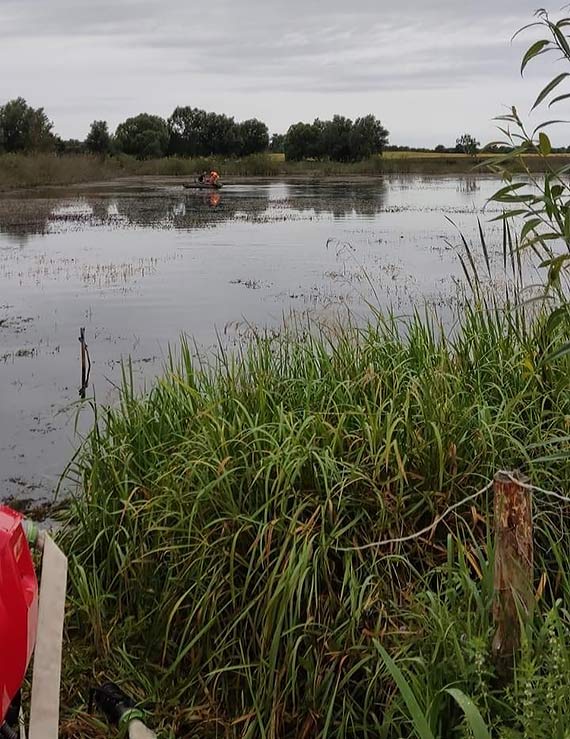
[(85, 364), (513, 577)]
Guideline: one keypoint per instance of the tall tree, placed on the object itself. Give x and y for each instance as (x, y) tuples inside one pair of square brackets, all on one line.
[(144, 136), (302, 141), (98, 139), (221, 134), (187, 127), (336, 138), (277, 143), (194, 132), (253, 137), (25, 128), (367, 138), (467, 144)]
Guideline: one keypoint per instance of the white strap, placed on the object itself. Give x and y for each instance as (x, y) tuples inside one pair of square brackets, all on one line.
[(44, 709), (137, 730)]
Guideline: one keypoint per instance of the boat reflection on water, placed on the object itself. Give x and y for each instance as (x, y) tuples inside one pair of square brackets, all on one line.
[(214, 199)]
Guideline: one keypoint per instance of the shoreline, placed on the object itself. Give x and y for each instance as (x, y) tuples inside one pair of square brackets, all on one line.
[(32, 172)]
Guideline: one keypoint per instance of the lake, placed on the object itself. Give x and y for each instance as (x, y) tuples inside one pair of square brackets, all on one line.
[(139, 262)]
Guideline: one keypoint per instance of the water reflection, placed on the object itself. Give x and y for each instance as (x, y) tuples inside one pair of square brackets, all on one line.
[(137, 264), (339, 199), (166, 208), (468, 185), (22, 218)]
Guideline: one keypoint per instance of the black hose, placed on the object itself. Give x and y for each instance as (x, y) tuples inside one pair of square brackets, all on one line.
[(8, 733)]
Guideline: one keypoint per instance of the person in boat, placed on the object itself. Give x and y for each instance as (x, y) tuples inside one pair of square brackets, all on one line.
[(202, 177), (214, 177)]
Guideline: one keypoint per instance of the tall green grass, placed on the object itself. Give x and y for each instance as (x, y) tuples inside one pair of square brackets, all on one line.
[(36, 170), (222, 540)]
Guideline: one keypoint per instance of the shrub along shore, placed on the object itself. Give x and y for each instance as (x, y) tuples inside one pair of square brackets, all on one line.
[(28, 171), (227, 564)]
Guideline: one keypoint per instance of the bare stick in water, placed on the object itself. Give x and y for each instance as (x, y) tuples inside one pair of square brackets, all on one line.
[(85, 364)]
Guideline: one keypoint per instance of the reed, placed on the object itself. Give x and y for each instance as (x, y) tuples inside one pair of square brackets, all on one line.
[(223, 538), (41, 170)]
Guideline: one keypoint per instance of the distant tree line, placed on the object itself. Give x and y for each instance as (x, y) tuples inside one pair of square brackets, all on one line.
[(339, 139), (189, 132)]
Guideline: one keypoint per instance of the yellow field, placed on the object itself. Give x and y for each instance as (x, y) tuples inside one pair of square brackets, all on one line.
[(403, 155), (418, 154)]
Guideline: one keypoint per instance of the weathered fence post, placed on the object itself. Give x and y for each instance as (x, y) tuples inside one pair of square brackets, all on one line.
[(513, 576)]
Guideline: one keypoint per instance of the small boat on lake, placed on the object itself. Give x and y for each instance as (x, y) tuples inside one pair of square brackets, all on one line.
[(197, 185), (205, 182)]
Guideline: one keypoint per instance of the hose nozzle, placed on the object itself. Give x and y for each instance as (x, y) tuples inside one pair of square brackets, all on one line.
[(120, 710)]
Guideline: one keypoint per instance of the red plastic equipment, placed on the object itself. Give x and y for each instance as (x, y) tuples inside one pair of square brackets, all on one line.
[(18, 606)]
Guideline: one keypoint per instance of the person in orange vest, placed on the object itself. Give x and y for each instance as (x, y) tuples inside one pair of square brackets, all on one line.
[(214, 177)]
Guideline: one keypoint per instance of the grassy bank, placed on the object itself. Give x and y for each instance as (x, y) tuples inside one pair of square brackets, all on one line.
[(49, 169), (224, 541)]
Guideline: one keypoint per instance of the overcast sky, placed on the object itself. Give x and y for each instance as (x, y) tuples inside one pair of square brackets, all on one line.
[(429, 69)]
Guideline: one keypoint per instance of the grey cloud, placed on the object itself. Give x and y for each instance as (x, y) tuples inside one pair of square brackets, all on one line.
[(83, 59), (64, 16)]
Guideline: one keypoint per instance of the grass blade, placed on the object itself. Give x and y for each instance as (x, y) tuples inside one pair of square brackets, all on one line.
[(421, 726), (474, 718)]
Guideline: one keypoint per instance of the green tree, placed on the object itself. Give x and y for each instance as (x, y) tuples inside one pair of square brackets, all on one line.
[(25, 128), (277, 143), (69, 146), (187, 127), (98, 139), (220, 135), (253, 137), (194, 132), (143, 136), (367, 138), (336, 139), (467, 144), (302, 141)]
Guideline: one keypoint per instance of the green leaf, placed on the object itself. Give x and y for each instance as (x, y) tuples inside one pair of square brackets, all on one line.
[(563, 170), (507, 191), (555, 267), (506, 215), (517, 199), (558, 99), (548, 123), (547, 236), (536, 49), (562, 40), (544, 145), (528, 227), (558, 353), (525, 28), (474, 718), (556, 318), (419, 721), (549, 88)]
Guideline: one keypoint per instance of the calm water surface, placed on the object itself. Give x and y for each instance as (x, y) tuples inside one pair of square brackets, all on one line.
[(137, 264)]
